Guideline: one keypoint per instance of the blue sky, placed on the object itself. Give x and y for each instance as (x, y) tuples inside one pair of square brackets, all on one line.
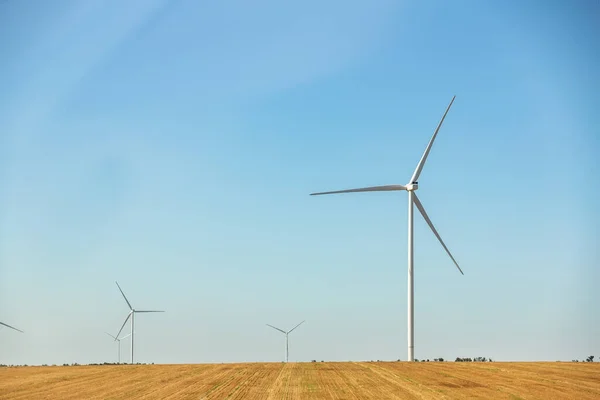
[(171, 145)]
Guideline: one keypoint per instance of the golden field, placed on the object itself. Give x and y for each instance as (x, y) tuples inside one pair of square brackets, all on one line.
[(328, 380)]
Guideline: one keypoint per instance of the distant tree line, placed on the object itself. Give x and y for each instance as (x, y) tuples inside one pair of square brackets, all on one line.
[(70, 365), (589, 359), (114, 363), (458, 359)]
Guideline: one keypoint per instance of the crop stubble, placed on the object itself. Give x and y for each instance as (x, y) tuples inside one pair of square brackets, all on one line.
[(331, 380)]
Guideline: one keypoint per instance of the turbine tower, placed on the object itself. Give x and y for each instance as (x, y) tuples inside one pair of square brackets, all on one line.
[(118, 340), (411, 187), (11, 327), (287, 349), (131, 315)]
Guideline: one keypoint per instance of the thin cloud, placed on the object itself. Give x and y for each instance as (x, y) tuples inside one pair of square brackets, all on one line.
[(84, 36)]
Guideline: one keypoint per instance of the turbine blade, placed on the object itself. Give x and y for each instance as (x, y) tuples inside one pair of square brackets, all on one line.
[(11, 327), (138, 311), (385, 188), (123, 326), (125, 337), (114, 337), (280, 330), (129, 304), (424, 214), (295, 327), (419, 168)]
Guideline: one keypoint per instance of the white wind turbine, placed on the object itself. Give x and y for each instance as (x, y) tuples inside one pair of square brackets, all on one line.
[(131, 315), (287, 349), (118, 340), (411, 188), (11, 327)]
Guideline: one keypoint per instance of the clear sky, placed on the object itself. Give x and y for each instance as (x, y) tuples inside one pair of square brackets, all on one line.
[(172, 145)]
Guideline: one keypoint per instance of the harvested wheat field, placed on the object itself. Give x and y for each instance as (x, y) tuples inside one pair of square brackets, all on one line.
[(331, 380)]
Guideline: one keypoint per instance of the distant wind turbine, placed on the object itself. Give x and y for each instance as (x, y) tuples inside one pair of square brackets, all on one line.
[(287, 350), (119, 340), (132, 316), (411, 188), (11, 327)]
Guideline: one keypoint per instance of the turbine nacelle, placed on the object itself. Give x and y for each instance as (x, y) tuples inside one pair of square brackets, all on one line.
[(412, 186)]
